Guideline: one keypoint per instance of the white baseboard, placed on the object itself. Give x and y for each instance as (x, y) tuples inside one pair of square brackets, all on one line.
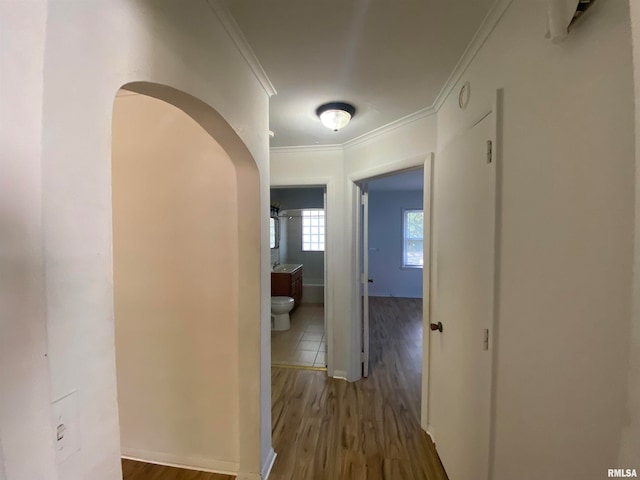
[(429, 431), (249, 476), (340, 375), (186, 462), (268, 464)]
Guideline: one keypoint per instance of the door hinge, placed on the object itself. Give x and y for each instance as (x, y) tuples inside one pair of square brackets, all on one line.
[(489, 151), (361, 357), (362, 199), (485, 341)]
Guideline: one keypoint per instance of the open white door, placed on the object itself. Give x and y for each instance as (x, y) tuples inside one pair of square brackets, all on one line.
[(325, 274), (463, 302), (364, 278)]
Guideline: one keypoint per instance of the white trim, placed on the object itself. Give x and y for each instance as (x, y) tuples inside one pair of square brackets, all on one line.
[(401, 122), (235, 33), (427, 291), (340, 375), (268, 463), (482, 34), (390, 168), (497, 110), (197, 464), (308, 148), (429, 432), (297, 182), (249, 476), (478, 40), (403, 264), (420, 161), (329, 253)]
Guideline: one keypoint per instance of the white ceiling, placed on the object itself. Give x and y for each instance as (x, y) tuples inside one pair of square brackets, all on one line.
[(389, 58)]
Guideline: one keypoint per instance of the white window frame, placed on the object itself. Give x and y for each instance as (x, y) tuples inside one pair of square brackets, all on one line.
[(273, 232), (313, 241), (405, 238)]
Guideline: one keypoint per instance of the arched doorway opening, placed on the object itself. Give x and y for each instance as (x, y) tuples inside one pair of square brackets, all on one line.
[(186, 237)]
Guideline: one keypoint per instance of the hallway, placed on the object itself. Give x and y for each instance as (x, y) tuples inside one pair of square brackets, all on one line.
[(330, 429), (327, 429)]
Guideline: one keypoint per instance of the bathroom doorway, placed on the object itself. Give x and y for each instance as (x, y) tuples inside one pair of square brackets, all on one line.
[(298, 279)]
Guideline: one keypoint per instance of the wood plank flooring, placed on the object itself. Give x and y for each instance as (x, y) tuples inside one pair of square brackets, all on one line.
[(327, 429), (144, 471)]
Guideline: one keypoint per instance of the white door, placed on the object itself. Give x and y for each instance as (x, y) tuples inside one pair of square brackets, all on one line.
[(463, 302), (364, 278)]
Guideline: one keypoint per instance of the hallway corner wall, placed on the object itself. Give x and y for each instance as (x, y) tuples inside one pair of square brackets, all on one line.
[(58, 337), (26, 433)]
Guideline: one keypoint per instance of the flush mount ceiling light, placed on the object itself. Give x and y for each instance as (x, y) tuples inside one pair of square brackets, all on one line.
[(335, 115)]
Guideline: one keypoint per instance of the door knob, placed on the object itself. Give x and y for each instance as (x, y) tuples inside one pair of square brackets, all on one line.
[(437, 326), (370, 280)]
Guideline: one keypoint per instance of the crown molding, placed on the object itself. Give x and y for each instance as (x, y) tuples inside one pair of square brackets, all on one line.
[(487, 26), (308, 148), (412, 117), (482, 34), (233, 29)]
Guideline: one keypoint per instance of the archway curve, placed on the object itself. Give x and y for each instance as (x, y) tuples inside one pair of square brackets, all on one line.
[(249, 263)]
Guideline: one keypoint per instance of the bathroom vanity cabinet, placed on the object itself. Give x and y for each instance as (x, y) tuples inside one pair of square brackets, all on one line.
[(287, 284)]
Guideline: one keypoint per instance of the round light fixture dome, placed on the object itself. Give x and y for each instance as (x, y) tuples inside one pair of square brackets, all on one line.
[(336, 115)]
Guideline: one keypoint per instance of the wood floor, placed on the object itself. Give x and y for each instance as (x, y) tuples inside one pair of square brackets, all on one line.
[(327, 429), (144, 471)]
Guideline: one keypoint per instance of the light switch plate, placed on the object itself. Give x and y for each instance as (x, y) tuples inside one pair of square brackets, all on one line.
[(65, 426)]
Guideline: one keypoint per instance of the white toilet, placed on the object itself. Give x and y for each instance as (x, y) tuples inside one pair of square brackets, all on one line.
[(280, 308)]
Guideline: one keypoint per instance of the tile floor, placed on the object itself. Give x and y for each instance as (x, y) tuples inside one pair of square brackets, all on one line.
[(303, 344)]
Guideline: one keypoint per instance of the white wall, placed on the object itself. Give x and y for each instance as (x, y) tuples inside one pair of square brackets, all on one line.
[(25, 413), (175, 255), (324, 166), (630, 441), (566, 185), (386, 223), (76, 72), (395, 147)]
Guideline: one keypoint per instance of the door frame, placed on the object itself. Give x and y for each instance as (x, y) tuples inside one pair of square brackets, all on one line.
[(354, 181), (329, 200), (496, 108)]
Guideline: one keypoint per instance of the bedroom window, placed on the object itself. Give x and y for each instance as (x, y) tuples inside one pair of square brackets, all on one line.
[(413, 233)]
